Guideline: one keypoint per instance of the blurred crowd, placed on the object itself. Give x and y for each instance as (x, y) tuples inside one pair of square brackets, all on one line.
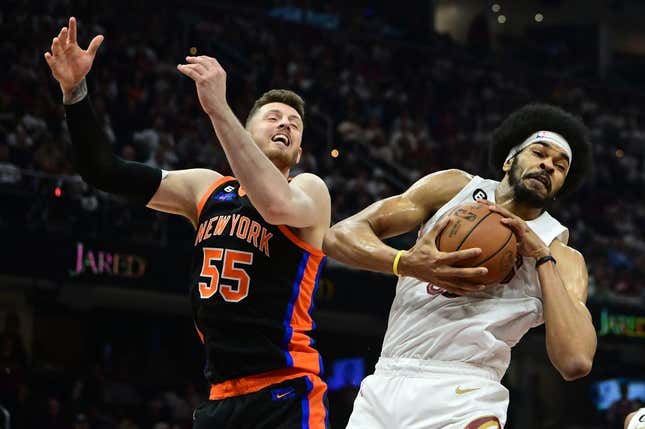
[(390, 111), (112, 389)]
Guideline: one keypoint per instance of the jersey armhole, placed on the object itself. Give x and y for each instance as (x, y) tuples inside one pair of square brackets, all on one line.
[(298, 242), (211, 189)]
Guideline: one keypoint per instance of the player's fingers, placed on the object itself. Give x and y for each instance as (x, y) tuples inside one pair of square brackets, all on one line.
[(72, 30), (213, 61), (201, 60), (94, 45), (63, 36), (437, 228), (56, 48), (450, 258), (502, 211), (517, 226), (49, 58), (463, 273), (200, 69), (189, 70)]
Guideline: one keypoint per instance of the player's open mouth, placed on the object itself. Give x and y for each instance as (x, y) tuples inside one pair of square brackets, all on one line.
[(541, 179), (281, 138)]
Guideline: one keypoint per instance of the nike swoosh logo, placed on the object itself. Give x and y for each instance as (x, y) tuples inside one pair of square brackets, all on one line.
[(460, 391), (279, 394)]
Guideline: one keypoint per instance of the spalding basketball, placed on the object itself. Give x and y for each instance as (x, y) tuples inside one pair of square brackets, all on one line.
[(474, 225)]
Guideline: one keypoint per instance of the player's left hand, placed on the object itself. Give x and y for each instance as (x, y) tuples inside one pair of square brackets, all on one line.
[(528, 242), (210, 81)]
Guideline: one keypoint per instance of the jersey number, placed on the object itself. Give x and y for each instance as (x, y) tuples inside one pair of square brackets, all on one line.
[(231, 259)]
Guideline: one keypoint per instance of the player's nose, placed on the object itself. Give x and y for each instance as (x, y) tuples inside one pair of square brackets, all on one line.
[(547, 165)]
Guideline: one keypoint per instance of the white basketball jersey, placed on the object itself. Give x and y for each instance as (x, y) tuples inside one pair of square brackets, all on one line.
[(479, 329)]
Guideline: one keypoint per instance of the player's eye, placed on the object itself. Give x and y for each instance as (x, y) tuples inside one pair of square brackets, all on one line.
[(538, 154), (295, 125), (561, 167)]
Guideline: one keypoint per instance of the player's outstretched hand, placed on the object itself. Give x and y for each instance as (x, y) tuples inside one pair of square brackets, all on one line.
[(427, 263), (528, 242), (210, 81), (68, 62)]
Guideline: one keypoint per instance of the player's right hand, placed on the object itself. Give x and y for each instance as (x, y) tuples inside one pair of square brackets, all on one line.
[(427, 263), (68, 62)]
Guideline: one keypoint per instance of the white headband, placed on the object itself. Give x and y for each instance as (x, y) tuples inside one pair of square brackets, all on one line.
[(543, 136)]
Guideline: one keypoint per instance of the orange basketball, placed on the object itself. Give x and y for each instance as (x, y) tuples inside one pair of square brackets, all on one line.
[(474, 225)]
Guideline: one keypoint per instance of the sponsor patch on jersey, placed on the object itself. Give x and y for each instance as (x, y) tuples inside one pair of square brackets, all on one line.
[(479, 194), (225, 196)]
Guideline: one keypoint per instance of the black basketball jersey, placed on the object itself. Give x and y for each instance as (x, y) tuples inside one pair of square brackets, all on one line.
[(252, 287)]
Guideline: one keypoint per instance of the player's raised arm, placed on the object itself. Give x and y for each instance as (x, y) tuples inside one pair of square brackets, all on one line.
[(305, 201), (570, 334), (357, 240), (92, 154)]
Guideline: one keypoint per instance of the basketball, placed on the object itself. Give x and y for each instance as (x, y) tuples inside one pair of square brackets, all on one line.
[(474, 225)]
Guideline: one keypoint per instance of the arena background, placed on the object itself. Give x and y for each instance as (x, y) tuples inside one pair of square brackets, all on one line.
[(95, 326)]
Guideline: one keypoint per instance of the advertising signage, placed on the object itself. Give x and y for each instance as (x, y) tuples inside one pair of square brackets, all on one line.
[(62, 260)]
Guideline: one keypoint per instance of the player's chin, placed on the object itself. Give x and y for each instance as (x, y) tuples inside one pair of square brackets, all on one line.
[(281, 158)]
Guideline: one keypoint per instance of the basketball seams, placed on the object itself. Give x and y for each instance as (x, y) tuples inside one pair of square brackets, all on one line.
[(471, 230), (510, 235)]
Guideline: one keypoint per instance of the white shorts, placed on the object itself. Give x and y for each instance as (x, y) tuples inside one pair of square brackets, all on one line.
[(422, 394), (638, 420)]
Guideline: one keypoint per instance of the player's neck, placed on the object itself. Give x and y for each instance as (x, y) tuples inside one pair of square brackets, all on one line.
[(505, 197)]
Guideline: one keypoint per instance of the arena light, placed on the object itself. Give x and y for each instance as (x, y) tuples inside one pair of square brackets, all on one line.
[(192, 50), (539, 17), (620, 153), (496, 7), (501, 19), (335, 153), (58, 192)]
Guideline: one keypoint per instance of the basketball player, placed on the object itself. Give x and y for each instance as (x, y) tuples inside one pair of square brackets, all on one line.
[(256, 257), (635, 420), (448, 340)]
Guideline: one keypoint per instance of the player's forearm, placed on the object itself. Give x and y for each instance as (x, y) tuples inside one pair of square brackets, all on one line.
[(570, 334), (355, 244), (266, 186), (93, 158)]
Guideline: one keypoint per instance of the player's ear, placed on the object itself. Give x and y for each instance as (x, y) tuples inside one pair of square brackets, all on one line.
[(507, 165), (299, 155)]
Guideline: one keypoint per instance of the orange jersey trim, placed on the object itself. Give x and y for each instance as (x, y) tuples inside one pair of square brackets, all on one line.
[(253, 383), (298, 242), (317, 409), (304, 356), (211, 188)]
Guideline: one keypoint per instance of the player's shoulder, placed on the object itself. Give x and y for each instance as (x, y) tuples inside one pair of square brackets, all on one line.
[(448, 182), (435, 189), (563, 250), (310, 181), (453, 177)]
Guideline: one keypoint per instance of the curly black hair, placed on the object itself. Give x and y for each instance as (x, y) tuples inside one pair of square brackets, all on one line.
[(545, 117)]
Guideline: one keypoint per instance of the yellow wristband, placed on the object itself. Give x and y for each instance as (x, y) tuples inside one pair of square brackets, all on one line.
[(395, 264)]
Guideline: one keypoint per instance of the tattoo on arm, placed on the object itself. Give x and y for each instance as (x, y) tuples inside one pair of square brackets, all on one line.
[(76, 94)]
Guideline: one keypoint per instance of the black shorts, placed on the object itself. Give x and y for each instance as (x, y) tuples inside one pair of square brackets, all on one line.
[(299, 403)]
